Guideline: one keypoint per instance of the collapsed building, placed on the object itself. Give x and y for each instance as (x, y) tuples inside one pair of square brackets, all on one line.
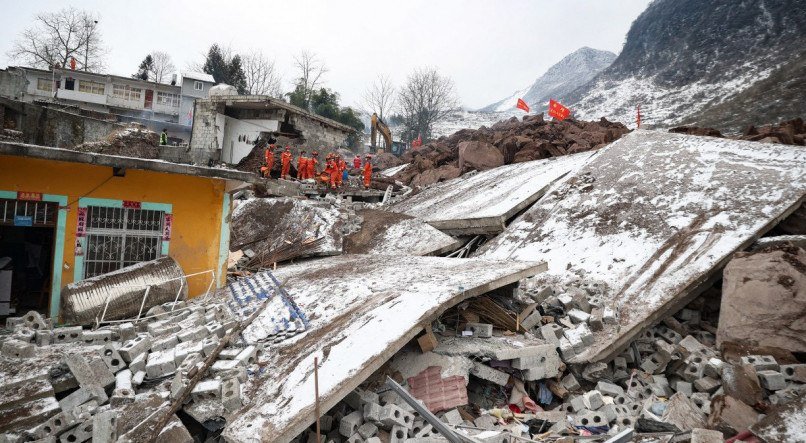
[(592, 296)]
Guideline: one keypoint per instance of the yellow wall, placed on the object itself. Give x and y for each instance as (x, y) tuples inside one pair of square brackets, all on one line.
[(197, 206)]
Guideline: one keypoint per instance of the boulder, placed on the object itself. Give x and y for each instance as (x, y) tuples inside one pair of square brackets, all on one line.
[(764, 297), (382, 161), (479, 156), (431, 176)]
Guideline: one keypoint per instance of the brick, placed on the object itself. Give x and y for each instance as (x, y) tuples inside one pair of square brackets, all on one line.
[(13, 348), (134, 347), (771, 380), (349, 423), (67, 335), (207, 390), (485, 372), (231, 395), (436, 392)]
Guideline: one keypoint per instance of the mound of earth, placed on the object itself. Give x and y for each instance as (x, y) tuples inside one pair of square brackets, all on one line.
[(132, 140)]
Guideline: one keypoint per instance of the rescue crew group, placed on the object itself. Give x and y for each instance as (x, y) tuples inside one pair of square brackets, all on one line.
[(334, 174)]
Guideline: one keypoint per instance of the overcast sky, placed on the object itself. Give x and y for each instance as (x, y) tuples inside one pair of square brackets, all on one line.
[(489, 48)]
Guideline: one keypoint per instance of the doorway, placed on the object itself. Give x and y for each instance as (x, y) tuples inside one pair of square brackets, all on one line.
[(27, 246), (149, 99)]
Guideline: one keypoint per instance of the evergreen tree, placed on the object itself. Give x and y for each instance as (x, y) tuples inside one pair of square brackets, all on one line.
[(146, 66), (236, 76), (216, 65)]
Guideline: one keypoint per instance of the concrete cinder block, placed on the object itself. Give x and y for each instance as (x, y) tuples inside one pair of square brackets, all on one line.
[(103, 376), (570, 382), (683, 387), (372, 412), (707, 384), (593, 400), (112, 358), (485, 372), (163, 327), (134, 347), (138, 363), (207, 390), (247, 356), (596, 321), (761, 362), (591, 418), (43, 338), (796, 373), (231, 395), (566, 348), (159, 364), (349, 423), (80, 433), (193, 334), (578, 316), (163, 343), (13, 348), (209, 344), (98, 337), (367, 430), (70, 334), (532, 320), (771, 380), (105, 427), (656, 363), (82, 395), (580, 337), (357, 398), (26, 335), (577, 403), (183, 349), (392, 415), (215, 328), (54, 425), (609, 389), (398, 434), (126, 331), (480, 330)]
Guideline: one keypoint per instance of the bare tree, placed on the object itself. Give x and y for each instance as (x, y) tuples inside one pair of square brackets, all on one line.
[(163, 66), (57, 37), (379, 96), (425, 99), (311, 70), (262, 77)]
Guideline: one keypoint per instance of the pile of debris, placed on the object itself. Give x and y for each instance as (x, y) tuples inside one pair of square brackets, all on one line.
[(791, 132), (509, 141), (132, 140), (120, 381)]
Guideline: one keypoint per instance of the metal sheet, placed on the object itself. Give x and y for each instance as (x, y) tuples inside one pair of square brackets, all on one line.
[(83, 301)]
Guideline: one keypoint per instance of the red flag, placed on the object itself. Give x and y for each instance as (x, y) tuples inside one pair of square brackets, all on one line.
[(522, 105), (558, 111)]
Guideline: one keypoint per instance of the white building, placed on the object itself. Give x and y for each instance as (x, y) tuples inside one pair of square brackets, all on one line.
[(156, 105)]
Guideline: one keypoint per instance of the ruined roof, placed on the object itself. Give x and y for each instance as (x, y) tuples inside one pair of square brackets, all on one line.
[(267, 102), (67, 155), (362, 309), (651, 219)]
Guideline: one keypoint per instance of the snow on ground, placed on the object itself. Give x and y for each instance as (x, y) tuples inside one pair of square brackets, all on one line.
[(361, 310), (393, 170), (652, 213), (497, 193)]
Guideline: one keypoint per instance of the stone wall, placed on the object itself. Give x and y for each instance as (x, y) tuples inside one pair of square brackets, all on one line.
[(12, 84), (204, 136)]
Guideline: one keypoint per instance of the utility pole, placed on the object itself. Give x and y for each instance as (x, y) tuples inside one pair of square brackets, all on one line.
[(87, 49)]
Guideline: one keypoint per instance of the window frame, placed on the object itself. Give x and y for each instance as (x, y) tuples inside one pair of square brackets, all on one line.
[(92, 87), (167, 99), (128, 92), (198, 86), (47, 81)]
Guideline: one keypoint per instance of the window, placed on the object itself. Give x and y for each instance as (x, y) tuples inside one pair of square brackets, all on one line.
[(120, 237), (44, 84), (70, 84), (168, 99), (126, 92), (91, 87), (199, 86)]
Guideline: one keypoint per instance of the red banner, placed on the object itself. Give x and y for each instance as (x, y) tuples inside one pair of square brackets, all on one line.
[(81, 225), (29, 196), (522, 105), (131, 204), (166, 228), (558, 111)]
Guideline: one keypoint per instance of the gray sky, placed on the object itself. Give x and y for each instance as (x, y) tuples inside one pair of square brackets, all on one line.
[(489, 48)]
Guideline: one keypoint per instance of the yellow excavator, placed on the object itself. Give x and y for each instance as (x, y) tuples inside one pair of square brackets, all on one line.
[(379, 126)]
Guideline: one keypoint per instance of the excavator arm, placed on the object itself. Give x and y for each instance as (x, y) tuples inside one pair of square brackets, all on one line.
[(378, 126)]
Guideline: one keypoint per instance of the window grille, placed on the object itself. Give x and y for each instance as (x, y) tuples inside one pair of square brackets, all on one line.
[(120, 237), (41, 213)]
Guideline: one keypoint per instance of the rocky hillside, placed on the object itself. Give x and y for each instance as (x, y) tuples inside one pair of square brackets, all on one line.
[(573, 71), (683, 58)]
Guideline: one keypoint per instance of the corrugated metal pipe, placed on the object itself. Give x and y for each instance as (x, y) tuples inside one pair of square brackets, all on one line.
[(85, 300)]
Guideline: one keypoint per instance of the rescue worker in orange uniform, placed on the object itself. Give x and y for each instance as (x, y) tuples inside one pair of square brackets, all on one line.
[(312, 162), (357, 162), (269, 156), (341, 165), (285, 161), (302, 166), (367, 171), (333, 170)]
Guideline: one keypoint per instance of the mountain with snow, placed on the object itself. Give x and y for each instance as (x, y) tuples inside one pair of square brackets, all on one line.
[(717, 62), (573, 71)]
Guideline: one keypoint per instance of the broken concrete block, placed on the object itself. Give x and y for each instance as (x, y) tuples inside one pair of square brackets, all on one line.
[(577, 403), (13, 348), (570, 382), (480, 330), (795, 373), (70, 334), (578, 316), (593, 400), (591, 418), (485, 372), (372, 412), (43, 338), (207, 390), (98, 337), (349, 423), (703, 401), (231, 396), (532, 320), (138, 377), (159, 364), (699, 435), (595, 371), (367, 430), (485, 422), (81, 370), (247, 356), (609, 389), (80, 433), (656, 363), (164, 343), (761, 362), (682, 387), (392, 415), (83, 395), (580, 337), (183, 349), (54, 425), (209, 344), (398, 434), (552, 332), (427, 341), (33, 320), (452, 417), (608, 315), (126, 331), (103, 376), (112, 358), (134, 347), (771, 380), (357, 398), (684, 414), (25, 335), (105, 427), (596, 320), (707, 384)]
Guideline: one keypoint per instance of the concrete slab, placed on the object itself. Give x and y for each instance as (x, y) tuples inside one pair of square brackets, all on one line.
[(362, 309), (481, 203), (384, 232), (652, 219)]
